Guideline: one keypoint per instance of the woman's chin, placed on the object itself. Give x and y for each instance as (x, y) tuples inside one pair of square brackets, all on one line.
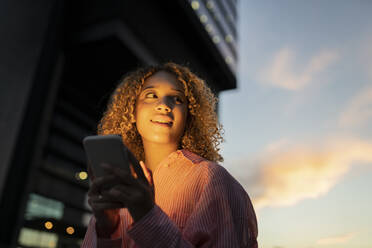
[(161, 140)]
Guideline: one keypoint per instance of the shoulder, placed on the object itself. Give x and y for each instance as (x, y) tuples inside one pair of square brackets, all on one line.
[(222, 190), (212, 172)]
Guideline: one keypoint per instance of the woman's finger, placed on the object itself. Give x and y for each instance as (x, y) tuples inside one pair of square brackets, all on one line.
[(90, 172), (97, 207), (93, 190), (103, 199), (121, 193), (134, 174), (103, 183), (147, 173), (128, 178), (100, 198), (124, 176)]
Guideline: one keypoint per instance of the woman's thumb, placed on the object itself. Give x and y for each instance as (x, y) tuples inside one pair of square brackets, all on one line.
[(147, 172)]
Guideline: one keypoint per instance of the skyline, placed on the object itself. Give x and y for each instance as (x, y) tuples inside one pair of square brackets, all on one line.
[(302, 144)]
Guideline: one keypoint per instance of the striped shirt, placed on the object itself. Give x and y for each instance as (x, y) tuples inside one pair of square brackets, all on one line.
[(197, 204)]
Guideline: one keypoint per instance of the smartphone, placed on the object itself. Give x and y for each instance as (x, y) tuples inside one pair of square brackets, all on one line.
[(110, 149)]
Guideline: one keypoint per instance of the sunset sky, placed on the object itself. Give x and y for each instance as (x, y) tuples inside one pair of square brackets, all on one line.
[(298, 128)]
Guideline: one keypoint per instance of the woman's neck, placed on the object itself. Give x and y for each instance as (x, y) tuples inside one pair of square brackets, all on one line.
[(155, 153)]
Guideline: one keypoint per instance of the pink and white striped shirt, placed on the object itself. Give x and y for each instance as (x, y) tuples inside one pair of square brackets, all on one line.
[(197, 204)]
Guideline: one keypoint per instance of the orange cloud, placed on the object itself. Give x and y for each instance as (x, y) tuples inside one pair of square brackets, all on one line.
[(291, 173), (340, 239), (282, 72)]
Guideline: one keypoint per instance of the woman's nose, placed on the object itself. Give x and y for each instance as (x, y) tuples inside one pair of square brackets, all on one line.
[(163, 105)]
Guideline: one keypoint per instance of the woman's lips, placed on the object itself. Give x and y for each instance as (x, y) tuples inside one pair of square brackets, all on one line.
[(162, 120), (162, 124)]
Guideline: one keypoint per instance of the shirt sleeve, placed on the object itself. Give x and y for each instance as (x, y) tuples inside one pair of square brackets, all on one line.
[(92, 241), (223, 217)]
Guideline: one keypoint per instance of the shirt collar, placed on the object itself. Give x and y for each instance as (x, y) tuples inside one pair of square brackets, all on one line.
[(182, 154), (194, 158)]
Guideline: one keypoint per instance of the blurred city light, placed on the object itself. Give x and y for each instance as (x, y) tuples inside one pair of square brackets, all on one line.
[(83, 175), (195, 5), (70, 230), (48, 225)]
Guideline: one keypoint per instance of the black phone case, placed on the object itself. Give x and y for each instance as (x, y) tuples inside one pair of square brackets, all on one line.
[(111, 150)]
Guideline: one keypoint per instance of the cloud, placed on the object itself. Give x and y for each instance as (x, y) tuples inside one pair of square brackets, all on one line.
[(359, 110), (289, 173), (277, 145), (281, 71), (340, 239)]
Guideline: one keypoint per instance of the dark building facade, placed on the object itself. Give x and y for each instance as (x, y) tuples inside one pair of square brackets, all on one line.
[(59, 62)]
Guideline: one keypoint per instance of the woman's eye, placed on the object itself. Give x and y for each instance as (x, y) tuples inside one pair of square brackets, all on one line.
[(178, 99), (150, 95)]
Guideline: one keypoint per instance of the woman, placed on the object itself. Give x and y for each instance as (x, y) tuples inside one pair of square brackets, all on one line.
[(166, 117)]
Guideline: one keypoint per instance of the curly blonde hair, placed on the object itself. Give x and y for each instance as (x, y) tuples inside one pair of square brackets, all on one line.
[(203, 133)]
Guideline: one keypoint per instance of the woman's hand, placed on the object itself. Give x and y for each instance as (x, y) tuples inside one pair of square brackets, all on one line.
[(119, 189), (132, 193), (105, 211)]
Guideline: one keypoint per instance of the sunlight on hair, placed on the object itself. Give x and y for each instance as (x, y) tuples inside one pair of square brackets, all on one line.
[(203, 133)]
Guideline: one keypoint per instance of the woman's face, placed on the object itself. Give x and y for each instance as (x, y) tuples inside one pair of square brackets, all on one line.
[(161, 109)]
